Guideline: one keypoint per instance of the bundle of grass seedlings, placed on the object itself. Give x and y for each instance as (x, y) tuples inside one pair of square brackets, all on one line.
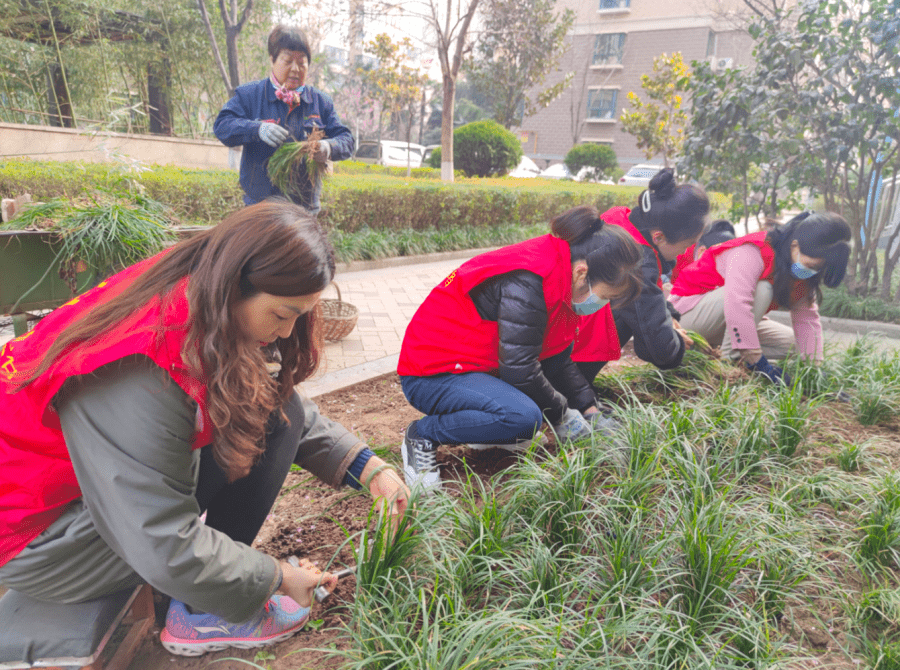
[(293, 161)]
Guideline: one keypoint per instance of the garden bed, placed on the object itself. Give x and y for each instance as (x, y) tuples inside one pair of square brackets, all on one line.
[(787, 504)]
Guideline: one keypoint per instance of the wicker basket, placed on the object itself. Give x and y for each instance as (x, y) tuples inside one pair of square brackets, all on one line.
[(338, 317)]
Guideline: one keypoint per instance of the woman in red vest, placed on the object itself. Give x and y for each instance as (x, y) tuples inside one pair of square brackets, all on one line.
[(668, 219), (153, 398), (486, 356), (725, 295), (720, 230)]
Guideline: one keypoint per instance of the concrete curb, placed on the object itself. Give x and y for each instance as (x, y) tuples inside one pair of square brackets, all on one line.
[(399, 261), (339, 379), (851, 326)]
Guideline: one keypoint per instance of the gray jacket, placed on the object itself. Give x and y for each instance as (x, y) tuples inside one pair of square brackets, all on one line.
[(129, 430)]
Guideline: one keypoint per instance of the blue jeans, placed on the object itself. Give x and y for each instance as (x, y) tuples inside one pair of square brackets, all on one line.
[(471, 407)]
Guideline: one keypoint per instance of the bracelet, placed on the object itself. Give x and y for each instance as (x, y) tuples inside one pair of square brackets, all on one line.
[(375, 472)]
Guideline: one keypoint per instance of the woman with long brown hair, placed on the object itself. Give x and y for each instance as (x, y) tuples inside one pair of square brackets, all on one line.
[(151, 399)]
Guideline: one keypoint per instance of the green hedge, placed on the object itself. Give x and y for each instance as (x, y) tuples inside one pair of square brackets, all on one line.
[(384, 203), (195, 196), (357, 167), (350, 201)]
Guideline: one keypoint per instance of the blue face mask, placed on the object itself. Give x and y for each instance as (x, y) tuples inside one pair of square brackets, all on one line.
[(589, 305), (800, 271)]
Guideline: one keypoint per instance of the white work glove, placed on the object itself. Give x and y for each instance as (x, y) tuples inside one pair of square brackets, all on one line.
[(573, 426), (601, 423), (273, 134)]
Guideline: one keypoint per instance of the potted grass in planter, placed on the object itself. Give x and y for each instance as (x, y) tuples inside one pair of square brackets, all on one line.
[(54, 250)]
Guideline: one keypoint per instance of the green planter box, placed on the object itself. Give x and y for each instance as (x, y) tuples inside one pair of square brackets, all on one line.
[(29, 274)]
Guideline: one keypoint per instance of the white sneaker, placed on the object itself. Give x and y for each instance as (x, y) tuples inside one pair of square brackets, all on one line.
[(419, 460), (516, 447)]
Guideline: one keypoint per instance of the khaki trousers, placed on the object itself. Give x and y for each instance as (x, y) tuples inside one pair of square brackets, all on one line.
[(708, 319)]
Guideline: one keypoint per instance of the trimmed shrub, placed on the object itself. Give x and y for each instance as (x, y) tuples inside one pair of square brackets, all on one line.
[(600, 160), (485, 149), (358, 167), (434, 160), (194, 195)]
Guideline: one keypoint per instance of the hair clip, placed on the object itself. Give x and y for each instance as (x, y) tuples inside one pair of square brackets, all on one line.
[(645, 201)]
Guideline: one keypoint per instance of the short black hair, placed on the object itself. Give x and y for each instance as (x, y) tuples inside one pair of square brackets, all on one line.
[(720, 230), (288, 38)]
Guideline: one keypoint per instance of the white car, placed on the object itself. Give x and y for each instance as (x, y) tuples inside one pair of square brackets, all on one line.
[(640, 174), (526, 169), (395, 153)]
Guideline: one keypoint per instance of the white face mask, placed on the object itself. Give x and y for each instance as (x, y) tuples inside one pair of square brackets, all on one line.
[(589, 305)]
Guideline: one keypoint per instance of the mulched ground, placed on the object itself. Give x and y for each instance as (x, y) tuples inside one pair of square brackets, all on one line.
[(312, 520)]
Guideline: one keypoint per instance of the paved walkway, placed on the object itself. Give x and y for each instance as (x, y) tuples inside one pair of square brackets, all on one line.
[(387, 298)]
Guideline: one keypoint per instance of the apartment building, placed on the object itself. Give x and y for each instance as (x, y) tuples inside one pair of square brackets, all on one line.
[(613, 43)]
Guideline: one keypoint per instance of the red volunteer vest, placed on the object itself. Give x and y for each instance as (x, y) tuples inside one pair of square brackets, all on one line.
[(683, 261), (447, 334), (37, 480), (597, 338), (702, 276)]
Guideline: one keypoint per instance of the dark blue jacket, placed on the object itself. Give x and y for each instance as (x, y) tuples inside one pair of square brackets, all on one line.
[(238, 123)]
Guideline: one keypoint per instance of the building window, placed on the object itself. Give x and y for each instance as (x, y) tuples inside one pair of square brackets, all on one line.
[(609, 49), (711, 44), (615, 4), (602, 103)]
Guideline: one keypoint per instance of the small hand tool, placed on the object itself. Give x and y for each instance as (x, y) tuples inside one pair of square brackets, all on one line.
[(321, 592)]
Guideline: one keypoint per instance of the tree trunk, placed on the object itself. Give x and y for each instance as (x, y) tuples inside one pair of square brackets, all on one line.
[(449, 90), (215, 47), (422, 117), (158, 83), (231, 35), (59, 105)]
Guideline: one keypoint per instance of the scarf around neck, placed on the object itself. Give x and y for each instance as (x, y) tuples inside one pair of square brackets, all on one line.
[(291, 97)]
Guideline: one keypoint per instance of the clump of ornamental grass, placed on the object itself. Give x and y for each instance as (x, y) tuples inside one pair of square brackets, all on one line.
[(292, 161), (791, 420), (850, 456), (37, 216), (875, 402), (703, 346)]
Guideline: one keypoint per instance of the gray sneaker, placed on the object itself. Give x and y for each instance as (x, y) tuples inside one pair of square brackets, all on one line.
[(516, 447), (420, 460)]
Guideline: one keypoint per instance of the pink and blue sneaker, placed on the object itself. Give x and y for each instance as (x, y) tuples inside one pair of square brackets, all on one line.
[(189, 634)]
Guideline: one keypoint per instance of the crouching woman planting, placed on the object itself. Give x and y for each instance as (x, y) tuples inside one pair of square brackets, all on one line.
[(147, 401), (726, 294), (487, 356)]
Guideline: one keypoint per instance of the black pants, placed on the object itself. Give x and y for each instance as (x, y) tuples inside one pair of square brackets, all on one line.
[(240, 508)]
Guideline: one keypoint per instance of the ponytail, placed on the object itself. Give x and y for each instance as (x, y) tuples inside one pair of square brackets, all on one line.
[(676, 210)]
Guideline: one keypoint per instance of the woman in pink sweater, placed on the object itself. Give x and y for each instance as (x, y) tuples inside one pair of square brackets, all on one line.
[(725, 295)]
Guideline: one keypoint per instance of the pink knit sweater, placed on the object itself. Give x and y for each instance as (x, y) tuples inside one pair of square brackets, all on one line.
[(742, 268)]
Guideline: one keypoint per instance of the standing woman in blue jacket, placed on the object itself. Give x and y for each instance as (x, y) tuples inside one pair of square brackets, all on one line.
[(265, 114)]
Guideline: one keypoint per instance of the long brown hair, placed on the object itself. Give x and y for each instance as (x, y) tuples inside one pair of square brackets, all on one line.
[(272, 247)]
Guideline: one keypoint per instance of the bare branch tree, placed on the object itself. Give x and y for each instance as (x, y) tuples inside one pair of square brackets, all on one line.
[(234, 23), (215, 47), (451, 31)]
